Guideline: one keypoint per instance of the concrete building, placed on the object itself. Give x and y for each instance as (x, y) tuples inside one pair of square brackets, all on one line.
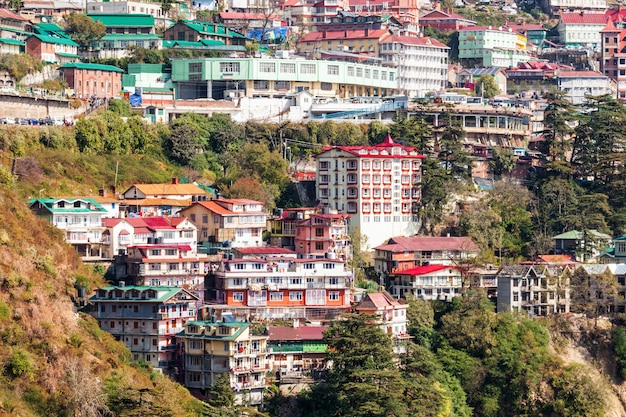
[(277, 78), (557, 6), (613, 55), (297, 350), (422, 63), (324, 235), (538, 290), (228, 222), (281, 287), (581, 29), (52, 49), (146, 319), (377, 185), (80, 219), (213, 348), (488, 46), (577, 85), (365, 42), (444, 21), (429, 282), (93, 80), (402, 253)]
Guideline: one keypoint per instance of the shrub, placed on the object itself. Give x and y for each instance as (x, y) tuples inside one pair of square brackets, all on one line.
[(21, 363), (5, 311)]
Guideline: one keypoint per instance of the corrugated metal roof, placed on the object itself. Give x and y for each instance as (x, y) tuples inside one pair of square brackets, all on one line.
[(91, 67), (124, 20)]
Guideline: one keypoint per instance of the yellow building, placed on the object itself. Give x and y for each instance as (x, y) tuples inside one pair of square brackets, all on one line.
[(213, 348), (365, 42)]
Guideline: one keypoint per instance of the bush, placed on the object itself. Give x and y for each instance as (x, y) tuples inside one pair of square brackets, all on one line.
[(21, 363), (5, 311)]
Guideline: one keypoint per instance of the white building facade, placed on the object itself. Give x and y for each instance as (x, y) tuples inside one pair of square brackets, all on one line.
[(579, 84), (377, 185), (422, 63)]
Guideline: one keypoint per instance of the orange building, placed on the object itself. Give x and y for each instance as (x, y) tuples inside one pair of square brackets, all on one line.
[(267, 287), (93, 80)]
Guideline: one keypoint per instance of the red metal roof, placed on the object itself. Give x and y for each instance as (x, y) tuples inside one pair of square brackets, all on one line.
[(378, 301), (387, 143), (419, 243), (264, 250), (414, 40), (427, 269), (8, 14), (343, 34), (296, 333), (583, 18), (164, 246), (580, 74), (439, 14)]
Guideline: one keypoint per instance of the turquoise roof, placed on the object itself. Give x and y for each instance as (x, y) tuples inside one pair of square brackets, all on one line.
[(129, 37), (66, 55), (212, 29), (124, 20), (205, 323), (575, 234), (49, 28), (55, 39), (11, 41), (93, 67), (168, 292), (49, 204)]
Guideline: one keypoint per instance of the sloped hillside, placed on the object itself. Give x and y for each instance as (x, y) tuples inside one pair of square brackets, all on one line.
[(53, 361)]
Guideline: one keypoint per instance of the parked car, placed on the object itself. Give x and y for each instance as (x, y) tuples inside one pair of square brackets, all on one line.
[(21, 121), (8, 121)]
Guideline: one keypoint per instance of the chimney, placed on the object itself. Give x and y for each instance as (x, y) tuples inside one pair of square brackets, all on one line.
[(175, 180)]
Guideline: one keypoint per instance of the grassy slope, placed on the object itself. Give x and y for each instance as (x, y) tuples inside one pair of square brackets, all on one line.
[(53, 361)]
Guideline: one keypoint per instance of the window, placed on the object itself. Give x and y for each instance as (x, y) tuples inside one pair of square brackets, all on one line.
[(281, 85), (350, 71), (170, 252), (295, 296), (261, 85), (155, 252), (323, 164), (276, 296), (359, 72), (195, 67), (288, 67), (333, 296), (192, 217), (366, 179), (333, 69), (326, 86), (229, 66), (307, 69), (172, 267), (238, 297), (267, 67), (205, 218), (319, 232)]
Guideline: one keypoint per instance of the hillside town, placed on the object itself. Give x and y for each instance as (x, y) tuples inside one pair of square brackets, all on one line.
[(202, 286)]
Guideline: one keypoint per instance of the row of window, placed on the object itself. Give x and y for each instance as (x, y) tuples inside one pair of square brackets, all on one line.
[(374, 192), (387, 219), (293, 296), (375, 179), (367, 164), (282, 280)]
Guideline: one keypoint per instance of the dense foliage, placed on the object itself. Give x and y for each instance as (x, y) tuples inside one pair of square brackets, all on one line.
[(465, 360)]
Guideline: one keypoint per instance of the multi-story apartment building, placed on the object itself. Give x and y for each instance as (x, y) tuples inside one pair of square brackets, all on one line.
[(324, 235), (556, 6), (282, 226), (365, 42), (508, 127), (539, 290), (581, 29), (401, 253), (285, 287), (52, 49), (276, 78), (296, 350), (80, 219), (422, 63), (488, 46), (92, 80), (213, 348), (166, 264), (579, 85), (613, 57), (162, 199), (445, 21), (377, 185), (429, 282), (228, 222), (147, 319), (392, 314)]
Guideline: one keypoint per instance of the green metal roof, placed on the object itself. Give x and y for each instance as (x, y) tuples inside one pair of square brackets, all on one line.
[(169, 292), (130, 37), (66, 55), (46, 28), (55, 39), (242, 326), (93, 67), (212, 29), (11, 41), (124, 20), (146, 68), (575, 234), (211, 42), (48, 204)]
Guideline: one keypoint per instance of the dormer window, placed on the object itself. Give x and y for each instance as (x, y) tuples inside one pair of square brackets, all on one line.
[(223, 330), (76, 204), (61, 204)]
